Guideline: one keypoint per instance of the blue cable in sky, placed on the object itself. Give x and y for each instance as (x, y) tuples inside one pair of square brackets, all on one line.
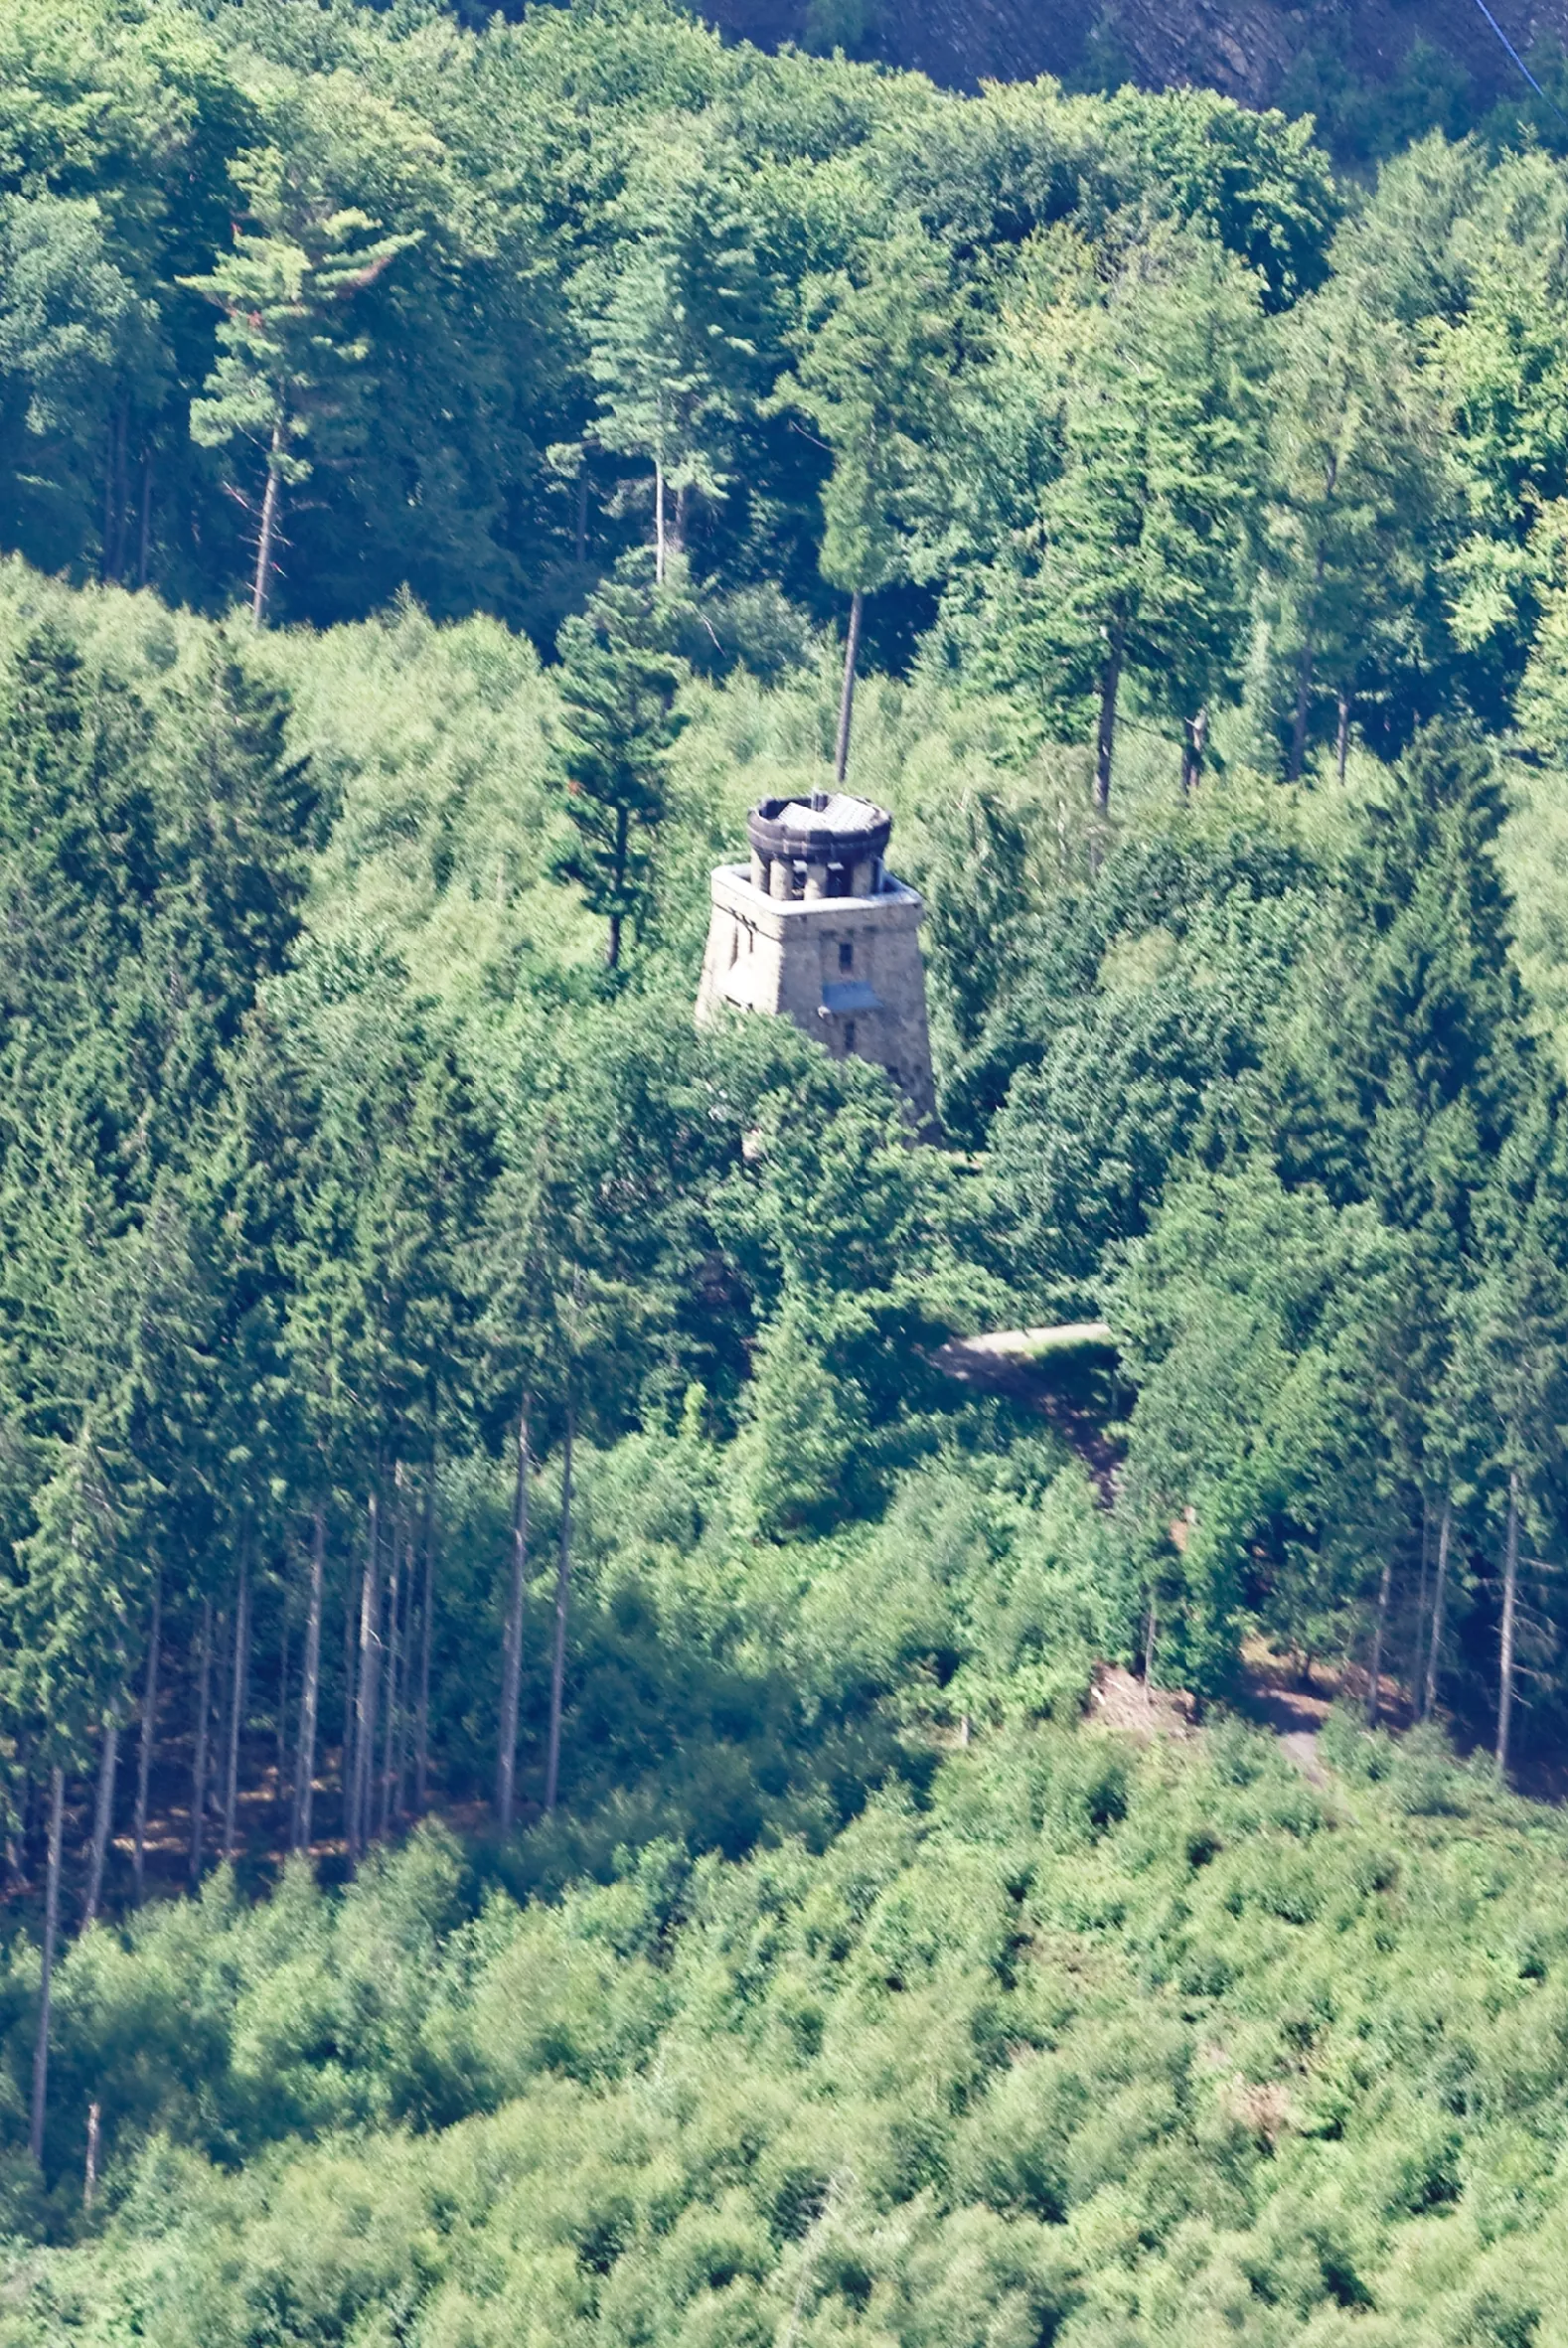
[(1519, 61)]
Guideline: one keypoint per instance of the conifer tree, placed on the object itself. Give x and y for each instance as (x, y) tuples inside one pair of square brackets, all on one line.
[(290, 373), (618, 685)]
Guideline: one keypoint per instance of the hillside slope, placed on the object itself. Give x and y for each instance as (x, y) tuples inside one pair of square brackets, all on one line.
[(1260, 51), (1099, 2048)]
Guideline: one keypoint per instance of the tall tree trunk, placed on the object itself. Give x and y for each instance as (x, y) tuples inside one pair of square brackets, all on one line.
[(90, 2180), (558, 1669), (104, 1815), (1195, 743), (1308, 654), (348, 1764), (623, 841), (1342, 747), (144, 549), (511, 1638), (310, 1687), (237, 1685), (1511, 1594), (284, 1802), (106, 529), (56, 1815), (199, 1757), (1375, 1690), (1439, 1591), (116, 560), (1105, 733), (268, 531), (851, 657), (15, 1829), (421, 1763), (389, 1722), (405, 1745), (149, 1730), (370, 1664), (658, 538)]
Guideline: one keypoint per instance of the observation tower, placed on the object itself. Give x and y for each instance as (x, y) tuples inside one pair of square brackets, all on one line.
[(816, 929)]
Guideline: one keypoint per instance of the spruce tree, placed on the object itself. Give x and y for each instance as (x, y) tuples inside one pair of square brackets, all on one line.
[(618, 723)]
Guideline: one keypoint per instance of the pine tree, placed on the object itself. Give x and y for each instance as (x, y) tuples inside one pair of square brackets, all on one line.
[(618, 723)]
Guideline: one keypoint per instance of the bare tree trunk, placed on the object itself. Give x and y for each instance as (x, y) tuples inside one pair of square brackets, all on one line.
[(389, 1724), (369, 1661), (1510, 1592), (267, 533), (511, 1638), (1423, 1598), (121, 493), (149, 1730), (144, 551), (1105, 734), (16, 1822), (404, 1747), (612, 948), (57, 1815), (199, 1762), (238, 1683), (1195, 743), (421, 1765), (103, 1815), (1374, 1690), (658, 538), (1303, 668), (558, 1669), (310, 1687), (90, 2181), (1342, 749), (106, 530), (349, 1765), (852, 656), (1439, 1591)]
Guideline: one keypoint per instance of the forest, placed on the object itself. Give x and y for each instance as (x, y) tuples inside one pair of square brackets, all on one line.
[(554, 1770)]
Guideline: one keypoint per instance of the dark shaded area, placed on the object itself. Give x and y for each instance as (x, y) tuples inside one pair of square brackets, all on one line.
[(1075, 1389), (1374, 76)]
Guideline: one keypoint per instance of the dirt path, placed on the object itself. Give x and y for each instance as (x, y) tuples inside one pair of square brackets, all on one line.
[(1066, 1374)]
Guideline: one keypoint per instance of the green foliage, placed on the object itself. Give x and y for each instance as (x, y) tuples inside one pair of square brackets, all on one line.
[(1114, 2043), (618, 683), (851, 1986)]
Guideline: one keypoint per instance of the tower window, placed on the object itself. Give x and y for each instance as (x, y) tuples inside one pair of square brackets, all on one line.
[(846, 956), (848, 1034)]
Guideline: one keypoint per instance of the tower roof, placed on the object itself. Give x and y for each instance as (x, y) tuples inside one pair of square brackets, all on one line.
[(827, 828)]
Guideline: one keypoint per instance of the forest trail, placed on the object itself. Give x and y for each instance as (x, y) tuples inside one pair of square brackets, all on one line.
[(1065, 1373)]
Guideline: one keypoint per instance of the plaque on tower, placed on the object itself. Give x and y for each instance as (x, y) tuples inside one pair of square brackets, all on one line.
[(817, 929)]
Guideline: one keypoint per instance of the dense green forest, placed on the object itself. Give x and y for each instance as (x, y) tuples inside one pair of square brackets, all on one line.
[(549, 1769)]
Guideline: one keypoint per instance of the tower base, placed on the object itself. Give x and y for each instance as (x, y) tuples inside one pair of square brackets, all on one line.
[(846, 968)]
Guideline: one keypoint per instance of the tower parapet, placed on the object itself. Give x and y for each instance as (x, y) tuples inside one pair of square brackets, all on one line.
[(817, 929)]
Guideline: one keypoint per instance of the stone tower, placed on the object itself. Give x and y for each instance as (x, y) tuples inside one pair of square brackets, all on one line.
[(816, 930)]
